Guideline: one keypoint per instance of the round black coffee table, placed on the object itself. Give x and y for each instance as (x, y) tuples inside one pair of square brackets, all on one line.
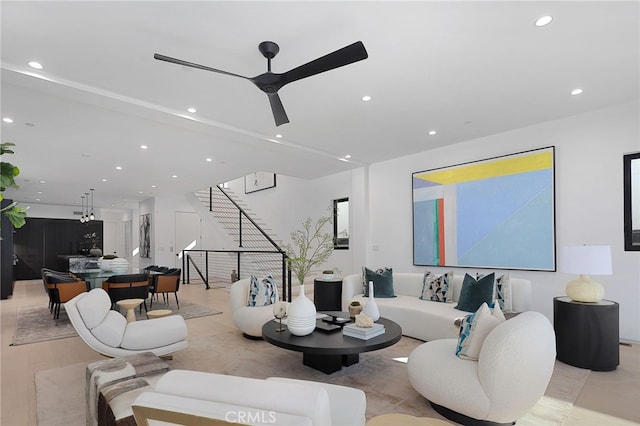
[(328, 352)]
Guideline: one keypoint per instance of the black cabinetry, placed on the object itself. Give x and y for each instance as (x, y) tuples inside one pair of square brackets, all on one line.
[(39, 242), (6, 255)]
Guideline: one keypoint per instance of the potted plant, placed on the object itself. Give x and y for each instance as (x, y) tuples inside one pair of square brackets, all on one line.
[(8, 173), (310, 246), (327, 274)]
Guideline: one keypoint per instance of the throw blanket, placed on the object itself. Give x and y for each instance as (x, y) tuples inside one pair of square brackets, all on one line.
[(113, 384)]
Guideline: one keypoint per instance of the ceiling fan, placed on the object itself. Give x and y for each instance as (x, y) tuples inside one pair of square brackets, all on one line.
[(270, 82)]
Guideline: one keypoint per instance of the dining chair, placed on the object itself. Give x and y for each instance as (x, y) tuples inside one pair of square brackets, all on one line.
[(128, 286), (167, 282), (62, 287)]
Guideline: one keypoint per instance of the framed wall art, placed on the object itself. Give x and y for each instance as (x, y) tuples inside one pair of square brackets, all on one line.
[(258, 181), (145, 235), (495, 213)]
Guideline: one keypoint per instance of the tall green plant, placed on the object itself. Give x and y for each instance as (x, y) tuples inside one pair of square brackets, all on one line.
[(310, 246), (8, 172)]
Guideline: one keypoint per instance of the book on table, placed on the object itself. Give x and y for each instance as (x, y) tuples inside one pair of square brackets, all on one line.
[(364, 333)]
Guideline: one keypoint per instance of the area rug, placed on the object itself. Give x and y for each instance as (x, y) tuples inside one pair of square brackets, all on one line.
[(382, 375), (36, 324)]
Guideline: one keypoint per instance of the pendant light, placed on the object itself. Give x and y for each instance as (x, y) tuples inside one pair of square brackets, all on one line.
[(86, 218), (82, 209), (92, 216)]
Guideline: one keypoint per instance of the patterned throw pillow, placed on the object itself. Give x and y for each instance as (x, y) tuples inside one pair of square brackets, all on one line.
[(262, 292), (475, 292), (382, 282), (475, 328), (502, 292), (437, 287)]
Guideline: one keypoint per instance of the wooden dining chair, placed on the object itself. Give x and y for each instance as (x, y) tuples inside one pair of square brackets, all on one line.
[(168, 282)]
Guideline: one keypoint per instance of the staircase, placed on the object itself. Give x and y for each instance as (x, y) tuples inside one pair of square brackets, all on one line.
[(258, 253)]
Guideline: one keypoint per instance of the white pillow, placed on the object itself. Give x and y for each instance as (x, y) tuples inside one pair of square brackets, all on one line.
[(476, 327)]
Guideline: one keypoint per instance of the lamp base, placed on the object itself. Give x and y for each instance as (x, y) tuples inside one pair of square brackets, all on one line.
[(585, 290)]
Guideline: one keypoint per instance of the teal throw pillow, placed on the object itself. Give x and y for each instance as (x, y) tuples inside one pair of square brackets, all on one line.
[(382, 282), (476, 292)]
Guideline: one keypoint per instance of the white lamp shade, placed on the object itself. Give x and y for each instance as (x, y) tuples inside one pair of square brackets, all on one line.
[(586, 260)]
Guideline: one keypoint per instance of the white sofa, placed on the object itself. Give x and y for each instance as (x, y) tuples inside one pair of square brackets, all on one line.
[(107, 331), (512, 372), (188, 397), (424, 319)]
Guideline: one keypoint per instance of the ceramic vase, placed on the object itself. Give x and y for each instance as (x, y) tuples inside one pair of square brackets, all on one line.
[(105, 264), (119, 264), (371, 308), (301, 315)]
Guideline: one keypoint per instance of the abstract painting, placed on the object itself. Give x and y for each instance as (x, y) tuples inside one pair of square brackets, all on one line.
[(145, 235), (494, 213)]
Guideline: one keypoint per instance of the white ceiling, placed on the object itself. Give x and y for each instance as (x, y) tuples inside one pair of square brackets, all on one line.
[(465, 69)]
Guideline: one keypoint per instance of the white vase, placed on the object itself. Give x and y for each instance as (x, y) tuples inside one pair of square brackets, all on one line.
[(301, 315), (119, 264), (371, 307), (105, 264)]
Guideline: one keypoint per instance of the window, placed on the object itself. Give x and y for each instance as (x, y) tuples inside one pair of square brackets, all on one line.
[(341, 224)]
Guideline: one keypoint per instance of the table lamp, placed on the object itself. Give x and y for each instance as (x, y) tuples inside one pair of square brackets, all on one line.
[(585, 261)]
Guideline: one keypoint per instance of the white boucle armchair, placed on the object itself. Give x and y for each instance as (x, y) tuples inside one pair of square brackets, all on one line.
[(106, 331), (512, 373), (249, 319)]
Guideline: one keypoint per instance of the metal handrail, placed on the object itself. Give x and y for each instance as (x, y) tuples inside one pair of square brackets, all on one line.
[(186, 258)]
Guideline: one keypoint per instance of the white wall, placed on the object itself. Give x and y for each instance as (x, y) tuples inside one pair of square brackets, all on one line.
[(589, 150)]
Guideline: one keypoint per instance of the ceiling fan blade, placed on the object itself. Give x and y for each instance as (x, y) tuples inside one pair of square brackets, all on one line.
[(192, 65), (347, 55), (278, 110)]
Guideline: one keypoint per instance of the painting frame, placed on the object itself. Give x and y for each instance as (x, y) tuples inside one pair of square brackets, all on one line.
[(493, 213), (145, 236), (259, 181)]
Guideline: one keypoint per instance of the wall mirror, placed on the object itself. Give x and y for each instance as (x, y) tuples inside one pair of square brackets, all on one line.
[(632, 201), (341, 224)]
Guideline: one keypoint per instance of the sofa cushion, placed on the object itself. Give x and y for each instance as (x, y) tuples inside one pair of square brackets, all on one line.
[(111, 329), (475, 292), (93, 307), (437, 288), (476, 327), (382, 282), (283, 397), (262, 291), (141, 335)]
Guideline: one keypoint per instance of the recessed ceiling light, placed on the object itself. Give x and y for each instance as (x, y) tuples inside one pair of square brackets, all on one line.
[(35, 65), (153, 186), (7, 120), (192, 110), (544, 20), (39, 192), (366, 98), (118, 168), (432, 132), (140, 192), (347, 156), (143, 147), (103, 179), (42, 181), (209, 159), (279, 136), (576, 91), (37, 199), (174, 176)]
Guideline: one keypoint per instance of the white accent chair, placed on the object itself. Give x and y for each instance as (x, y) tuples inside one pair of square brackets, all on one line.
[(106, 331), (512, 373), (193, 397), (249, 319)]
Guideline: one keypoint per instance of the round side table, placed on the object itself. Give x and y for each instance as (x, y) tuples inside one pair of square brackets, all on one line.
[(159, 313), (130, 305)]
